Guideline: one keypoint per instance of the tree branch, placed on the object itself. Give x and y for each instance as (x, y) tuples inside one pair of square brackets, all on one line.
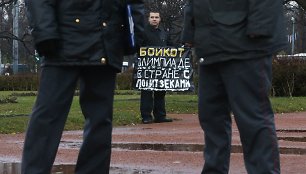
[(5, 2), (302, 3)]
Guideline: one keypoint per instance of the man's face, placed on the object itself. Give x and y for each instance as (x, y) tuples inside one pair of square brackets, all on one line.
[(154, 19)]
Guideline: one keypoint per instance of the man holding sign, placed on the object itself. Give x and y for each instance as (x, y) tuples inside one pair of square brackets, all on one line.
[(163, 69), (154, 100)]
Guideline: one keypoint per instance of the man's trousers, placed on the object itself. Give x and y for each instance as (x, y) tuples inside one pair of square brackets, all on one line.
[(57, 88), (241, 87), (152, 101)]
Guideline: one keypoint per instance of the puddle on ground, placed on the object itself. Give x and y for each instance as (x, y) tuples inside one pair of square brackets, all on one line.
[(291, 130), (144, 146), (188, 147), (10, 168), (293, 139), (15, 168), (160, 147)]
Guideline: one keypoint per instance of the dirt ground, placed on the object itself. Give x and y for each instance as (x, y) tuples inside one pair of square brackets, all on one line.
[(168, 148)]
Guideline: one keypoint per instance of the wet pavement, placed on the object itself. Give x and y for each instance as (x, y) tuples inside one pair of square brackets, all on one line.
[(167, 148)]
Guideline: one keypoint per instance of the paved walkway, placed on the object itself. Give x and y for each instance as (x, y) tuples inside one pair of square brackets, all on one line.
[(169, 148)]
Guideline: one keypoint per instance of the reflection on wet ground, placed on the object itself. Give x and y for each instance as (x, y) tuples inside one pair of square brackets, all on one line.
[(190, 147), (10, 168), (15, 168)]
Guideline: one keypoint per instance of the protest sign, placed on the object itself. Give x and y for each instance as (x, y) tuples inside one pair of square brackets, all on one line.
[(163, 69)]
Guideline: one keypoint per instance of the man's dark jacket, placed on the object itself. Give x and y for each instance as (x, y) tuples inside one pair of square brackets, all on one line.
[(155, 36), (86, 32), (222, 30)]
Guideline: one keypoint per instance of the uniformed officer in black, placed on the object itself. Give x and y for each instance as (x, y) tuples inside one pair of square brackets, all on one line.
[(154, 35), (234, 41), (81, 42)]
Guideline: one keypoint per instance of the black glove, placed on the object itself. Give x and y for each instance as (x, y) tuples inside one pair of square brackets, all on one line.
[(47, 48)]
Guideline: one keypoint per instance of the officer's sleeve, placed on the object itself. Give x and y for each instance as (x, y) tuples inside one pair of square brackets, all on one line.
[(41, 16), (262, 15), (137, 10), (188, 28)]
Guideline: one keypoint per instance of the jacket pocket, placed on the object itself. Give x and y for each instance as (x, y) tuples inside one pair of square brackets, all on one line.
[(229, 18), (80, 36), (228, 33)]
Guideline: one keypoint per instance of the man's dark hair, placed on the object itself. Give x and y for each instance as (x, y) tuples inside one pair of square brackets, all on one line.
[(153, 11)]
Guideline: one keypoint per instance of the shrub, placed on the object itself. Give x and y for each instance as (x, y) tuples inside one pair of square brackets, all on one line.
[(8, 99), (289, 75), (124, 80), (19, 82)]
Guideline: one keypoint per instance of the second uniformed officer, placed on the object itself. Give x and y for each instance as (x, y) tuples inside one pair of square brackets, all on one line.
[(235, 41)]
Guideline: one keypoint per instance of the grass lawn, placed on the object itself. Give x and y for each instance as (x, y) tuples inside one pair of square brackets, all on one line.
[(14, 116)]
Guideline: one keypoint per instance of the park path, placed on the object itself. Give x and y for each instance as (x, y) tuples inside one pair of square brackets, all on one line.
[(166, 148)]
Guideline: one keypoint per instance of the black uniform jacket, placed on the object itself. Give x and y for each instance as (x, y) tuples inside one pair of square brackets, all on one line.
[(88, 32), (221, 29)]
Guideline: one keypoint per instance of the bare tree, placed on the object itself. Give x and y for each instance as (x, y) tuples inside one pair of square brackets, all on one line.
[(171, 11), (296, 25), (301, 3), (6, 2)]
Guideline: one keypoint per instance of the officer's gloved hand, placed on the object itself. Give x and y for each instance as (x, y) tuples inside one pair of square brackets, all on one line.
[(258, 36), (47, 48)]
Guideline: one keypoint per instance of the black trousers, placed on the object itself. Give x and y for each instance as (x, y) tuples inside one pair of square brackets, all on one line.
[(241, 87), (152, 101), (57, 86)]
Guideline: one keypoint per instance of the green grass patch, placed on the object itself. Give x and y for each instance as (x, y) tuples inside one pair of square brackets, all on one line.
[(288, 104), (14, 116), (12, 125)]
